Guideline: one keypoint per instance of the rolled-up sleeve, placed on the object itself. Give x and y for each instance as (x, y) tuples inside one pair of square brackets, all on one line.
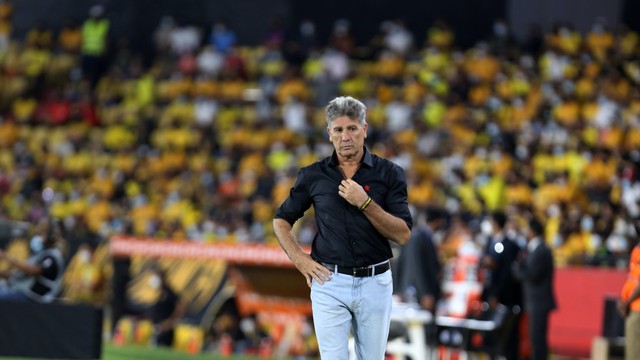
[(297, 203), (397, 199)]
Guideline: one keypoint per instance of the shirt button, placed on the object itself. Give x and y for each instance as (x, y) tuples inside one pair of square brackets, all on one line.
[(354, 243)]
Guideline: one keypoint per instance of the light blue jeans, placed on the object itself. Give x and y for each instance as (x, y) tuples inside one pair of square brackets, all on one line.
[(362, 305)]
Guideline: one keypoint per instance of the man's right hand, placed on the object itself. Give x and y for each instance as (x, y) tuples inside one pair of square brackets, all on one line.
[(311, 269)]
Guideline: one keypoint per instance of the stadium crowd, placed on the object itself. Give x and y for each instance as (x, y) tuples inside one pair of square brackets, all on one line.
[(203, 142)]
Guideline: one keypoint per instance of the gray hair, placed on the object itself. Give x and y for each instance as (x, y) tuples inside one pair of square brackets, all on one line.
[(346, 106)]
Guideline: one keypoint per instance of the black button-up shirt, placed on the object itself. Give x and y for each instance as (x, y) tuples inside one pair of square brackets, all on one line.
[(345, 236)]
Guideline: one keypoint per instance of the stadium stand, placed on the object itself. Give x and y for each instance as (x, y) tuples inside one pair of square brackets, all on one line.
[(204, 143)]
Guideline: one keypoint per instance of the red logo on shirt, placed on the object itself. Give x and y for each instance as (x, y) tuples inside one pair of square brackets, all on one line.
[(367, 187)]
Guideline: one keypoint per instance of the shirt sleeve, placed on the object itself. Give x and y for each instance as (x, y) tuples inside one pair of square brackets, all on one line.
[(396, 201), (298, 202)]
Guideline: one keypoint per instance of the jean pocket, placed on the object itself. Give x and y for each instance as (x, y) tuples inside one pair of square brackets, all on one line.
[(384, 279)]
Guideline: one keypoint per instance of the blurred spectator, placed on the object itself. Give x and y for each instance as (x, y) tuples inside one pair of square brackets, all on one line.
[(222, 37), (341, 38), (55, 109), (209, 61), (184, 38), (95, 38), (85, 278), (34, 61), (294, 115), (440, 35), (6, 10), (168, 309), (599, 41), (419, 268), (398, 38), (275, 35), (162, 35), (39, 277), (253, 336), (501, 41), (226, 330), (40, 35), (70, 37), (536, 272), (307, 35), (500, 284)]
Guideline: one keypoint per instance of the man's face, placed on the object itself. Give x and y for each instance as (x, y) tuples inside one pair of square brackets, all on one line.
[(347, 135)]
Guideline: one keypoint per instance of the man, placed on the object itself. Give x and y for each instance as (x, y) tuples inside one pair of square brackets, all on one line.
[(419, 270), (95, 36), (168, 309), (360, 203), (39, 277), (536, 272), (419, 267), (501, 286), (629, 306)]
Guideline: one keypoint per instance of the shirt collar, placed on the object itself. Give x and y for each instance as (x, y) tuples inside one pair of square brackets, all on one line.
[(367, 159)]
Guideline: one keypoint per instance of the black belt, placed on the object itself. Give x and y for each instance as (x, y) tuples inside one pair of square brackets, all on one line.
[(364, 271)]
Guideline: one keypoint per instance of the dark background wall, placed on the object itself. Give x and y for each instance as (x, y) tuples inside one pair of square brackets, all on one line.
[(136, 19), (250, 18), (631, 14), (471, 19), (581, 13)]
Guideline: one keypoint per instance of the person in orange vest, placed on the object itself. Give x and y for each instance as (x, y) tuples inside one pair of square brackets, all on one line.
[(629, 306)]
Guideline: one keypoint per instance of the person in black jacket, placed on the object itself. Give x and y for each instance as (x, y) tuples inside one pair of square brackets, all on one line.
[(419, 270), (536, 272), (501, 286), (167, 311)]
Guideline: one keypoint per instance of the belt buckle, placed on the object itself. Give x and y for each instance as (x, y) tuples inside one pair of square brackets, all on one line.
[(364, 271)]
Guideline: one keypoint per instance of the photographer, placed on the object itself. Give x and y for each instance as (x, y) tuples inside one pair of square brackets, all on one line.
[(39, 277)]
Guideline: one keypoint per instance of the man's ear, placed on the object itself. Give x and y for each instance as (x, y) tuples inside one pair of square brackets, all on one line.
[(329, 132)]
